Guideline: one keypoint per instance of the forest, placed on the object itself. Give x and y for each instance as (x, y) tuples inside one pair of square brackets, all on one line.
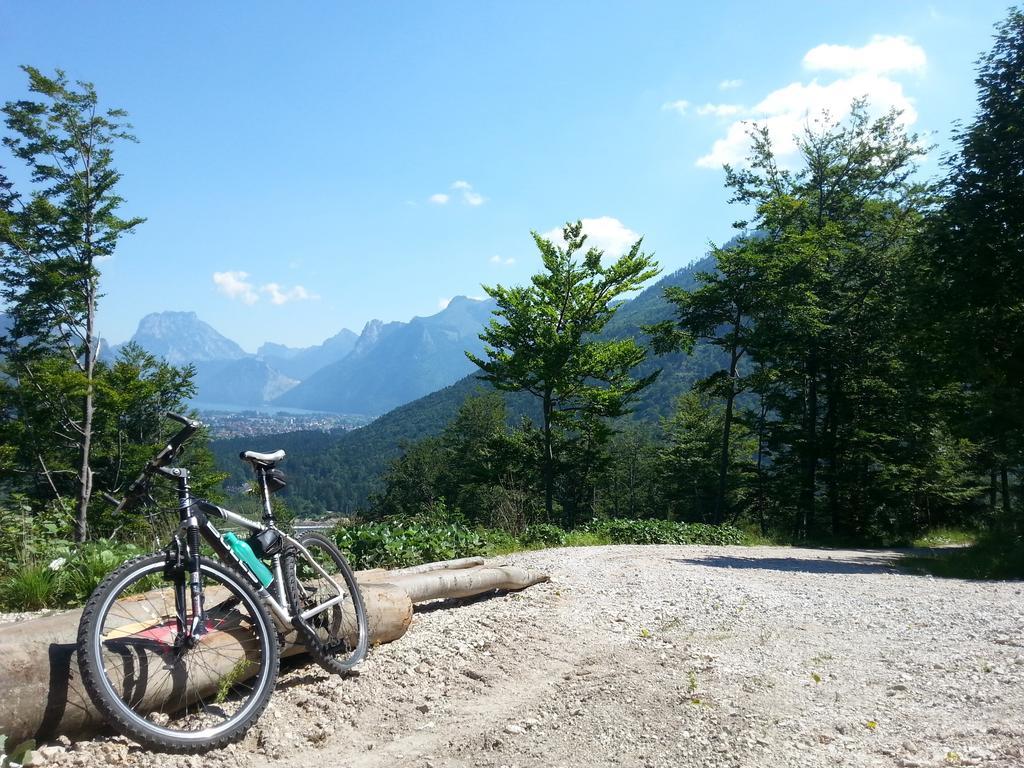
[(848, 368)]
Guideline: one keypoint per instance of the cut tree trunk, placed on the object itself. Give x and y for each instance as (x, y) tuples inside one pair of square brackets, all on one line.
[(44, 697)]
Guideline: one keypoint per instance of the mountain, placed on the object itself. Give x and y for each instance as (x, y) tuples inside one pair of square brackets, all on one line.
[(394, 363), (244, 382), (302, 363), (181, 337), (225, 373), (338, 471)]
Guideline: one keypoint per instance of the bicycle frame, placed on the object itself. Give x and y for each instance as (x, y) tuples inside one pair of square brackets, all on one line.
[(194, 522)]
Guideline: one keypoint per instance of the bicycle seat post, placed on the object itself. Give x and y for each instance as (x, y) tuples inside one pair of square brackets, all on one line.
[(268, 509)]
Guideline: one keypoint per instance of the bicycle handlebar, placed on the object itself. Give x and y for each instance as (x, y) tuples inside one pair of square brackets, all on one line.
[(162, 459)]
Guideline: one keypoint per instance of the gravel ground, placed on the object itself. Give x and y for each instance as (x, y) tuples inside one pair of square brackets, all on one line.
[(666, 656)]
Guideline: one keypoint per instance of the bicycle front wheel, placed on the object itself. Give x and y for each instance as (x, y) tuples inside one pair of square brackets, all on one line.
[(169, 689), (336, 636)]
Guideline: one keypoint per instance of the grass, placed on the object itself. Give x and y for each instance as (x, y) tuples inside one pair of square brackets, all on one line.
[(992, 556), (946, 537), (30, 588)]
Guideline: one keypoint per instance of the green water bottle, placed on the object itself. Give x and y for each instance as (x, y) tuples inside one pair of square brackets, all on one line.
[(247, 556)]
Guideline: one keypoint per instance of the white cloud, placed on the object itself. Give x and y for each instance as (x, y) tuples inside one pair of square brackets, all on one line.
[(279, 295), (604, 233), (787, 111), (728, 85), (720, 110), (469, 196), (679, 105), (883, 54), (439, 199), (443, 303), (502, 262), (235, 285)]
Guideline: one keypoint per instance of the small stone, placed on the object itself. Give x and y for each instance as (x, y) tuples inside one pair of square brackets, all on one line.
[(33, 758), (514, 729), (424, 708)]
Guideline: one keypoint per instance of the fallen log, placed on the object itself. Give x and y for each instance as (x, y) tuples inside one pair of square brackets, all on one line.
[(44, 696), (38, 664), (437, 585), (444, 565)]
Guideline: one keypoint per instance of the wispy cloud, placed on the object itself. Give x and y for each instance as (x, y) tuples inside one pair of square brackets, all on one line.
[(464, 190), (720, 110), (235, 285), (728, 85), (605, 233), (279, 295), (679, 106), (443, 303), (862, 71), (502, 262)]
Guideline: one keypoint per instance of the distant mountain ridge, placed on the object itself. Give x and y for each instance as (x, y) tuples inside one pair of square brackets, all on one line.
[(181, 337), (388, 364), (394, 363), (299, 363)]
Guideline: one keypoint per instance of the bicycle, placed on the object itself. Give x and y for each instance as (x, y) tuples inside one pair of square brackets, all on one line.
[(180, 651)]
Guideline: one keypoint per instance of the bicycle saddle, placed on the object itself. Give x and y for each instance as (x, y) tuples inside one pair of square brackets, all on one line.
[(262, 458)]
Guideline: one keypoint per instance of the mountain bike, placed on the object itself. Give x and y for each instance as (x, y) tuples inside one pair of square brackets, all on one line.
[(180, 650)]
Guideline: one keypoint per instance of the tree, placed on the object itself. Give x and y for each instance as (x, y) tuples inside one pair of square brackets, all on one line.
[(53, 244), (973, 270), (542, 339), (690, 459), (720, 312), (834, 236)]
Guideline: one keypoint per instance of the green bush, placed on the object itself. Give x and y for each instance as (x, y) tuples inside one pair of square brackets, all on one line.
[(544, 535), (498, 542), (401, 543), (30, 588), (64, 576), (619, 531)]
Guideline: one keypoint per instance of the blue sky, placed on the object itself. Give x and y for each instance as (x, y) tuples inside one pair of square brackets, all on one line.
[(309, 166)]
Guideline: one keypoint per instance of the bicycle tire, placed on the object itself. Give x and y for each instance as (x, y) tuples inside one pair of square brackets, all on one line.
[(329, 635), (124, 644)]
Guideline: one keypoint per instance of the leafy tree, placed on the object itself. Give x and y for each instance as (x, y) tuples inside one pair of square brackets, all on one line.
[(719, 311), (632, 486), (833, 237), (542, 340), (52, 247), (690, 459), (972, 276)]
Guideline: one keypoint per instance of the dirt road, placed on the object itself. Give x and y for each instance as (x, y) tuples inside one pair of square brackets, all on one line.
[(668, 656)]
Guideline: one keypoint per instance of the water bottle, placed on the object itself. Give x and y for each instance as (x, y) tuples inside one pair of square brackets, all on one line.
[(247, 556)]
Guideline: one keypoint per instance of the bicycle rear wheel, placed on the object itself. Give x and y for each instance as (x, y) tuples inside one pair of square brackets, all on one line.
[(338, 636), (157, 685)]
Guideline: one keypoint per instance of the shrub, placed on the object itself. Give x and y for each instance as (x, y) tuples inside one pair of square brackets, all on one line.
[(30, 588), (544, 535), (64, 577), (401, 543), (619, 531)]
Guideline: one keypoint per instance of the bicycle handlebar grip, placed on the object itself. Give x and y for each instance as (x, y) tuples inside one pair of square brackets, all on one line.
[(184, 420)]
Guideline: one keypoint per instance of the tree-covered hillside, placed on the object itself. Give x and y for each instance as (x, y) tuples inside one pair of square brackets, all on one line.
[(338, 471)]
